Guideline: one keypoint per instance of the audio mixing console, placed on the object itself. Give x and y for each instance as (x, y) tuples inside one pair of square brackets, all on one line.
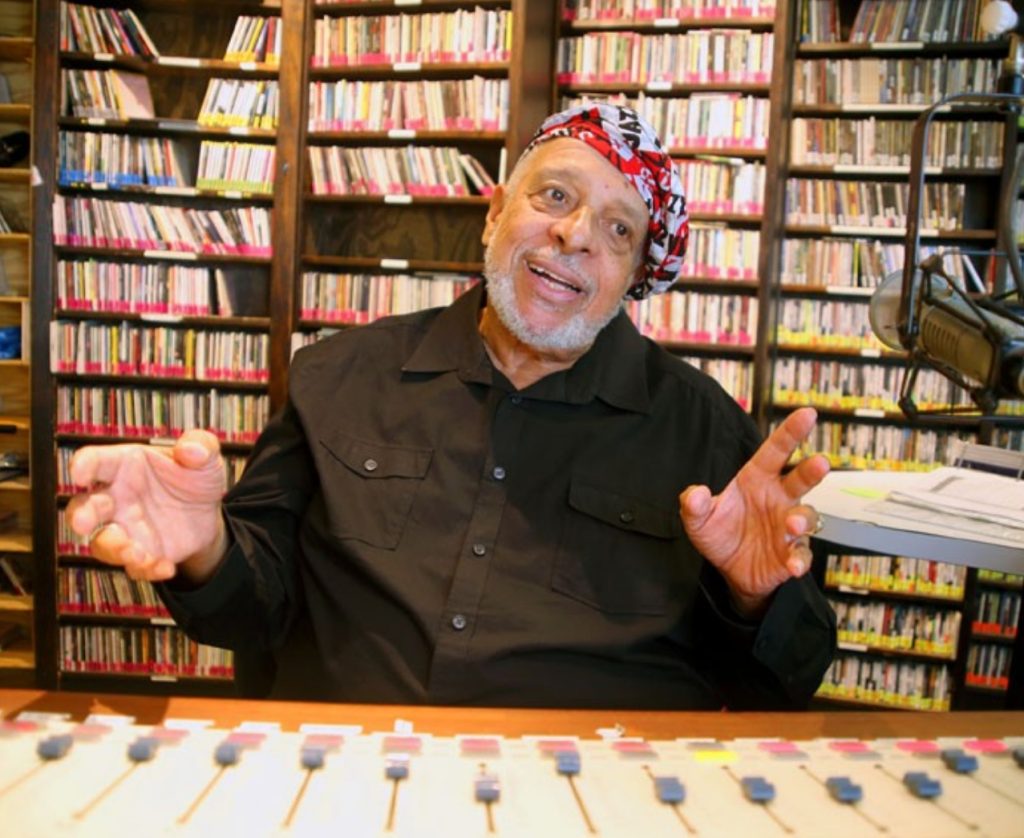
[(107, 775)]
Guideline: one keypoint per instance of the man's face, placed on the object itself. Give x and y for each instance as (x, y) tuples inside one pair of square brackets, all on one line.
[(564, 241)]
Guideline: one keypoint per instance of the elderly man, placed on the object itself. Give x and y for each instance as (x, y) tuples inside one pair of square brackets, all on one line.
[(515, 500)]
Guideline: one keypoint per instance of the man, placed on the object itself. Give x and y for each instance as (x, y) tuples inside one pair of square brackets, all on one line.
[(486, 504)]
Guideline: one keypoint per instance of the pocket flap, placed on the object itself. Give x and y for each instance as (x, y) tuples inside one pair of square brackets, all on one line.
[(374, 460), (626, 512)]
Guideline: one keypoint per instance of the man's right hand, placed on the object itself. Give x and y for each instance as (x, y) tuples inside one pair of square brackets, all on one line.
[(151, 509)]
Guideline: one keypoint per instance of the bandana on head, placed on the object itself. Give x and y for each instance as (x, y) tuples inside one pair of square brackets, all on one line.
[(629, 143)]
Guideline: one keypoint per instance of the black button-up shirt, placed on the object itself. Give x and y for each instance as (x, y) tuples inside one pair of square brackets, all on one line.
[(411, 528)]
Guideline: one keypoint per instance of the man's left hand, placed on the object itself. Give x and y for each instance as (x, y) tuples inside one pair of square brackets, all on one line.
[(756, 532)]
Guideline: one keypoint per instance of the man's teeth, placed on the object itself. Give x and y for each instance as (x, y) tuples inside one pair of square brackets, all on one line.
[(550, 276)]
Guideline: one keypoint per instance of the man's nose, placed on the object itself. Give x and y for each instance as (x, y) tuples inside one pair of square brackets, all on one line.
[(574, 231)]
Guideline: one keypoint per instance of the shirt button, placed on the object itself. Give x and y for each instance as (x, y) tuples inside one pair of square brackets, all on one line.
[(516, 399), (458, 622), (626, 517), (498, 473), (479, 549), (370, 464)]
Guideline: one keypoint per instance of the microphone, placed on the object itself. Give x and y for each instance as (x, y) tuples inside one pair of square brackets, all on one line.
[(979, 348)]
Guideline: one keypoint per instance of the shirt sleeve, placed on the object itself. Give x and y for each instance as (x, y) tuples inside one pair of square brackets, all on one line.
[(254, 596), (776, 663)]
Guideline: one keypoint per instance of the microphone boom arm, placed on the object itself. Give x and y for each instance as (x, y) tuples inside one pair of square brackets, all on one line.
[(926, 282), (909, 328)]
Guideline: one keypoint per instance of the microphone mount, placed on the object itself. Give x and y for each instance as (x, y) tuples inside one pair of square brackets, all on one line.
[(927, 282)]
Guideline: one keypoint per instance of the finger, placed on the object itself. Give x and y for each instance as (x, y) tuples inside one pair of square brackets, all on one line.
[(98, 463), (802, 521), (162, 571), (196, 448), (86, 512), (139, 571), (799, 560), (696, 506), (149, 568), (111, 545), (774, 453), (807, 474)]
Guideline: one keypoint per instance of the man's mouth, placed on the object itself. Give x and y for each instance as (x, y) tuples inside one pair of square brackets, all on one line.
[(554, 279)]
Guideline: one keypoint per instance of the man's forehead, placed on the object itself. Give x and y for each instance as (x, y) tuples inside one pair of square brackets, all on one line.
[(574, 159)]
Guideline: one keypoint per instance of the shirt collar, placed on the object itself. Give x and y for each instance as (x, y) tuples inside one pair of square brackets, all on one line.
[(613, 369), (452, 341)]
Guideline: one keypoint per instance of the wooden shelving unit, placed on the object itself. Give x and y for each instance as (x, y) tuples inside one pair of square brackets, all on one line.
[(17, 615)]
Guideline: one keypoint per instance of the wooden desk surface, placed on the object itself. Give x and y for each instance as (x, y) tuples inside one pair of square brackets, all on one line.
[(447, 721)]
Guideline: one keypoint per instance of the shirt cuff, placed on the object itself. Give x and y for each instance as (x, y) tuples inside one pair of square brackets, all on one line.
[(740, 631), (797, 634), (190, 604)]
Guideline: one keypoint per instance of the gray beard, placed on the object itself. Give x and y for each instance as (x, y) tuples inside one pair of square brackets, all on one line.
[(574, 335)]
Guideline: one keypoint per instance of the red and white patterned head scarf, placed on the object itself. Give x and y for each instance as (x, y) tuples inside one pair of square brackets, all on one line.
[(630, 144)]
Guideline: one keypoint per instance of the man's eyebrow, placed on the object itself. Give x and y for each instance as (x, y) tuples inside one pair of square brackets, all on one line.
[(555, 170)]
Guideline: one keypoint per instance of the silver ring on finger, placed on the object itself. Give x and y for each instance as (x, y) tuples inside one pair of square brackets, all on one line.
[(819, 525)]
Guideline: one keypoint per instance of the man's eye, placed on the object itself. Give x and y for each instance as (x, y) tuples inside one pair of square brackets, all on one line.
[(556, 194), (621, 232)]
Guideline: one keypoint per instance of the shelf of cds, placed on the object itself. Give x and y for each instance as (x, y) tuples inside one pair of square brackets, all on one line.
[(901, 626), (995, 621), (919, 634), (164, 142), (18, 647)]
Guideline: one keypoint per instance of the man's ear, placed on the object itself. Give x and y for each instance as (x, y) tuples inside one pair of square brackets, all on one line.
[(493, 211)]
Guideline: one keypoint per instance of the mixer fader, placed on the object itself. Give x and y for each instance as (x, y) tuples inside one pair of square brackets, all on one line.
[(108, 775)]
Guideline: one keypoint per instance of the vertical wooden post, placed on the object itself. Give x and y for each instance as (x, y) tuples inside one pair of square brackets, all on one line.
[(287, 224), (43, 466), (531, 72), (773, 222)]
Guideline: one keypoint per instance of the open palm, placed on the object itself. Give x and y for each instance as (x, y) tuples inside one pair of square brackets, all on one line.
[(753, 530), (149, 508)]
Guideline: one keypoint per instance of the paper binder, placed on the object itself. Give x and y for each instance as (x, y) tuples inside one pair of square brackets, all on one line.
[(857, 513)]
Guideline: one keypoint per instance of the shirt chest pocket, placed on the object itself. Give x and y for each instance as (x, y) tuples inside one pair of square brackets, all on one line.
[(621, 554), (369, 487)]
